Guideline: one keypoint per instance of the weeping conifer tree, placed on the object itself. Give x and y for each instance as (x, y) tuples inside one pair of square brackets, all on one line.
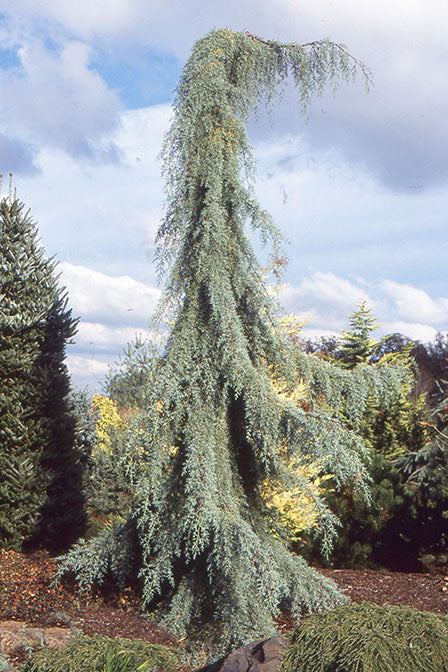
[(217, 420)]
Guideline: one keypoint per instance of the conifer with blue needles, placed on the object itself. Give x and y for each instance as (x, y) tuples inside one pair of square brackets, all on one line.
[(214, 426)]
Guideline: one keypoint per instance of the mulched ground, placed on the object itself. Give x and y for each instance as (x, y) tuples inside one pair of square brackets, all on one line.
[(26, 594), (421, 591), (106, 620)]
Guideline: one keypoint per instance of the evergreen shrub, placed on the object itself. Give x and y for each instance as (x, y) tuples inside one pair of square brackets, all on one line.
[(107, 489), (103, 654), (426, 471), (380, 532), (41, 486), (393, 529), (369, 638), (86, 435), (126, 383)]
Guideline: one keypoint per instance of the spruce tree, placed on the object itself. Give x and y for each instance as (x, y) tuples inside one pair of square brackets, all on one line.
[(389, 429), (40, 488), (216, 421), (357, 346)]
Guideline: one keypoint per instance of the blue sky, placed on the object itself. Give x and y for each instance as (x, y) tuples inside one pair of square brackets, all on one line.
[(360, 192)]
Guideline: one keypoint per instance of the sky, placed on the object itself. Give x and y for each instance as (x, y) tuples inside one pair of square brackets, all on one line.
[(360, 191)]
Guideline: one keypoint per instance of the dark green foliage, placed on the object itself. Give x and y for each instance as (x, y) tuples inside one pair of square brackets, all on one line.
[(103, 654), (356, 345), (214, 425), (404, 526), (40, 490), (369, 638), (381, 532), (407, 524), (426, 473), (385, 531), (426, 467)]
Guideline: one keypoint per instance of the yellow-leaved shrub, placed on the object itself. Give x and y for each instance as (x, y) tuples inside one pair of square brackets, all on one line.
[(294, 509), (108, 421)]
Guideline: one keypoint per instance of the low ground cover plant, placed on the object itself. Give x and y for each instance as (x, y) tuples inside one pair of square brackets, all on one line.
[(369, 638), (103, 654)]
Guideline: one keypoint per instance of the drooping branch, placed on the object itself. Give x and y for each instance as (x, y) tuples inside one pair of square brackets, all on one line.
[(317, 45)]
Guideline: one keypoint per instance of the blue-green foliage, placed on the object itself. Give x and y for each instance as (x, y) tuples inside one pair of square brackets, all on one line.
[(214, 426), (85, 434)]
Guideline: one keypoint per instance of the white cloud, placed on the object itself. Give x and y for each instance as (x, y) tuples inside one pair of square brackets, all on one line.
[(413, 304), (163, 21), (104, 216), (329, 288), (85, 17), (414, 330), (55, 98), (339, 219), (314, 334), (94, 337), (108, 300), (89, 371), (328, 300), (402, 137), (84, 367), (114, 312), (323, 298), (342, 221)]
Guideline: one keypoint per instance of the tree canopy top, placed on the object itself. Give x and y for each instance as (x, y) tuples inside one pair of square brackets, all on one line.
[(206, 148)]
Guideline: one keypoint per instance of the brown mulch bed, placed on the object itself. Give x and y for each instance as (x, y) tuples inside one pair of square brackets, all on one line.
[(26, 594), (421, 591), (106, 620)]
